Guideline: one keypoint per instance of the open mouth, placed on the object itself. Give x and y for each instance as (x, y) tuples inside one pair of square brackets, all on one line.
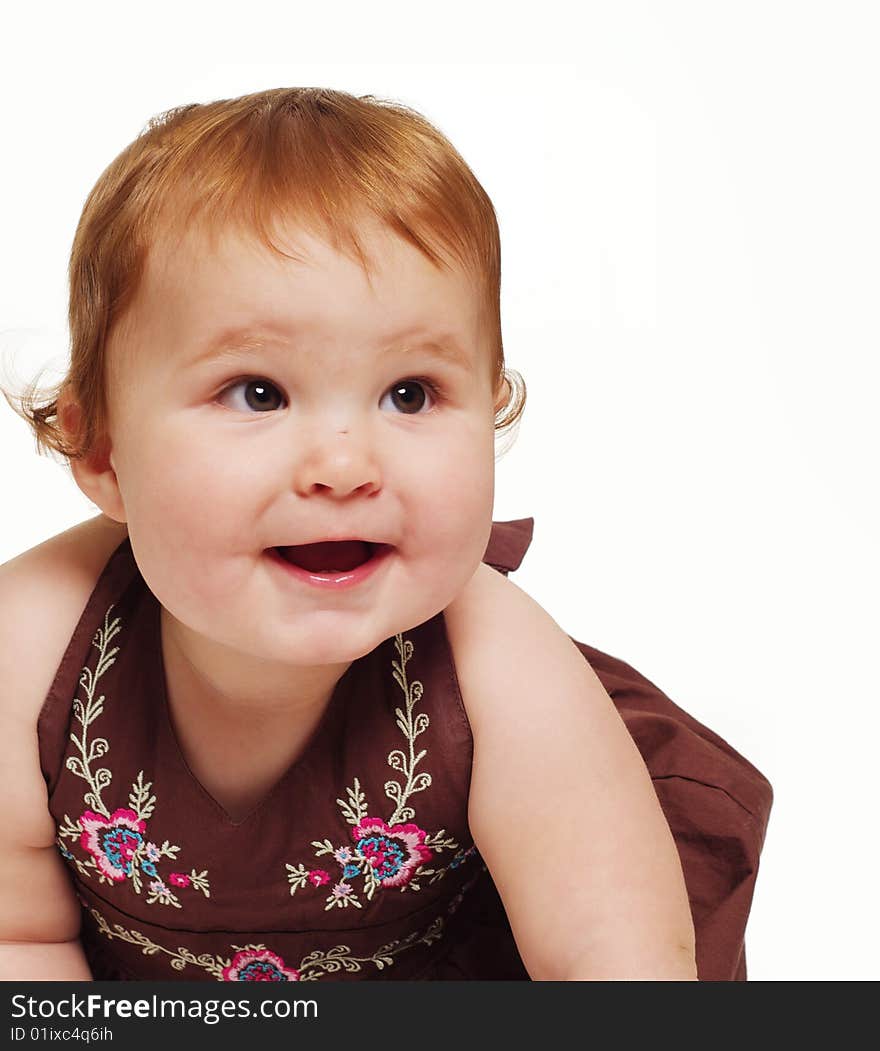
[(331, 556)]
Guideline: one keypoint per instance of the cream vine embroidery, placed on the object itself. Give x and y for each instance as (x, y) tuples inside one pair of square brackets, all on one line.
[(410, 729), (117, 843), (393, 853), (254, 962)]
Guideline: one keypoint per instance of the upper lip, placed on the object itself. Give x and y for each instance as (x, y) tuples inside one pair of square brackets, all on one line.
[(336, 540)]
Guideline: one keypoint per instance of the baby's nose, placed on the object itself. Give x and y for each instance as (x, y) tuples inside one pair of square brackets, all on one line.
[(339, 465)]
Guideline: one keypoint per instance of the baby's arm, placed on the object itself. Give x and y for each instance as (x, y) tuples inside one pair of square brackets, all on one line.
[(39, 914), (562, 808)]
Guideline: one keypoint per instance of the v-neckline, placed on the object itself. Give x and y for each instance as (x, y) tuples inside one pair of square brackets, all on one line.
[(166, 729)]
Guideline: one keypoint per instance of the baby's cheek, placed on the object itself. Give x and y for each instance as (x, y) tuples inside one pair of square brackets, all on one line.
[(451, 526), (181, 532), (464, 488), (194, 490)]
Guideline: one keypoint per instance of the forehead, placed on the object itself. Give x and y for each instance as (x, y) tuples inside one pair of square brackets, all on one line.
[(227, 279)]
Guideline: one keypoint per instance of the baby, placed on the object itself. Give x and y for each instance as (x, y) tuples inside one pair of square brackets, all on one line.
[(284, 719)]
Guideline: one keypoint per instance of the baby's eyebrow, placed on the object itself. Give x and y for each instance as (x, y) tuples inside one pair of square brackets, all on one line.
[(234, 344)]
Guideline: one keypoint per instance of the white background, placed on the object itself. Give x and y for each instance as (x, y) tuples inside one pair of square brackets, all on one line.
[(688, 201)]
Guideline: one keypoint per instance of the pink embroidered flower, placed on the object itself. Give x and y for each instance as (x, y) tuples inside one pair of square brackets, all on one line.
[(112, 841), (318, 877), (343, 854), (158, 887), (393, 851), (152, 851), (251, 965), (179, 879), (341, 890)]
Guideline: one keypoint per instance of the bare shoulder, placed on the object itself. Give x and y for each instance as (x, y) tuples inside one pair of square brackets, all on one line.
[(489, 592), (507, 648), (43, 592), (84, 547)]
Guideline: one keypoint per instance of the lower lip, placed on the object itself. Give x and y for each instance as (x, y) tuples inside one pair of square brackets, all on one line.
[(339, 581)]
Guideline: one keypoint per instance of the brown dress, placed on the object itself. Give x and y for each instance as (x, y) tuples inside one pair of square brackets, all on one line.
[(359, 862)]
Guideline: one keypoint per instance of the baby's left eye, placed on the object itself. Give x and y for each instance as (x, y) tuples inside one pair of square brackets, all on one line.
[(410, 395)]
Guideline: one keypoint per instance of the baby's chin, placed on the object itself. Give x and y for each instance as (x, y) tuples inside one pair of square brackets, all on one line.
[(327, 645)]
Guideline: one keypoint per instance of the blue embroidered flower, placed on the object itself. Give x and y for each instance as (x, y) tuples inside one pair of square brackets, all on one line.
[(394, 852), (350, 870), (149, 868), (113, 841), (386, 855)]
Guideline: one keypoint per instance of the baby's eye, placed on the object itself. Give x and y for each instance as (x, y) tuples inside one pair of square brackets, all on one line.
[(259, 395), (410, 395)]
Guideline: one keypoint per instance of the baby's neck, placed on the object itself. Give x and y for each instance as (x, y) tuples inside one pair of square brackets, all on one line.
[(223, 685), (239, 741)]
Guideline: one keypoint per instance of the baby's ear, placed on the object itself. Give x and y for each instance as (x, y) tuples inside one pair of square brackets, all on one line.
[(94, 472), (502, 394)]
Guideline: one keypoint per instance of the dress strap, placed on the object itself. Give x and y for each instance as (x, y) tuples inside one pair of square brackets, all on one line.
[(118, 582), (508, 543)]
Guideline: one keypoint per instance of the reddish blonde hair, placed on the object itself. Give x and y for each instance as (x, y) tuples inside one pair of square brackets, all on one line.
[(319, 158)]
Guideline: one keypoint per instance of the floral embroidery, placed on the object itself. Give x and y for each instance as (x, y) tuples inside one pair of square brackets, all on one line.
[(113, 842), (393, 851), (116, 843), (250, 965), (390, 854), (256, 963), (342, 894)]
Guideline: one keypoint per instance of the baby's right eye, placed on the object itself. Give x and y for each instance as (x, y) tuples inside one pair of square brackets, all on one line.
[(260, 395)]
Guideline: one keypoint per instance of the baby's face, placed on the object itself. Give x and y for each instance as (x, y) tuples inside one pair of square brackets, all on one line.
[(318, 422)]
